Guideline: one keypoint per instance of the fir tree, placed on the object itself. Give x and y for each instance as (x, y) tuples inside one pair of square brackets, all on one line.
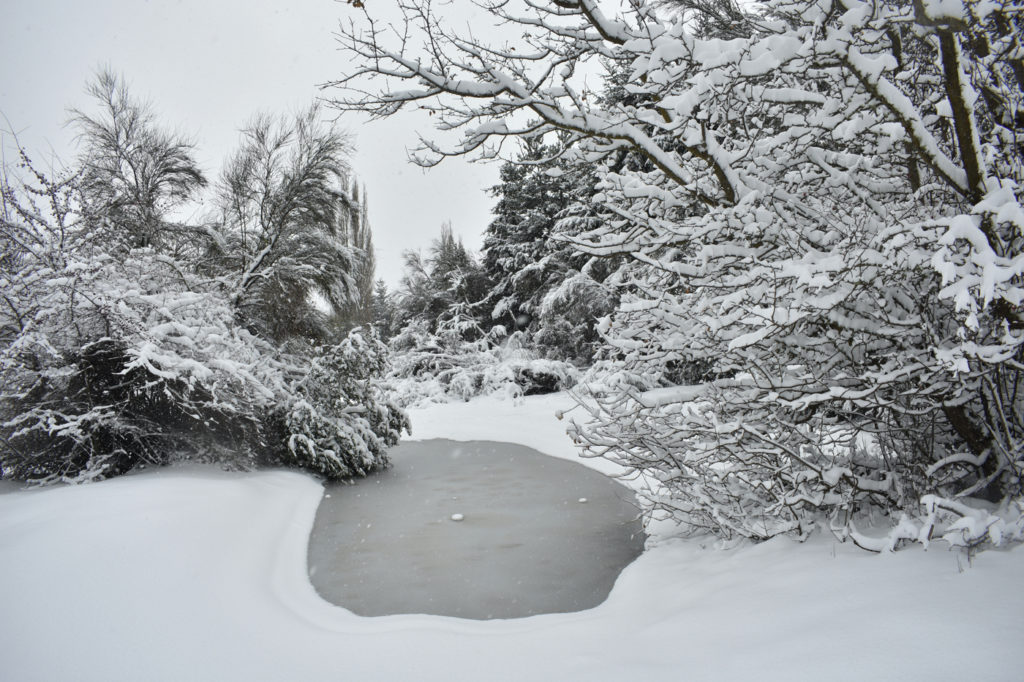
[(543, 200)]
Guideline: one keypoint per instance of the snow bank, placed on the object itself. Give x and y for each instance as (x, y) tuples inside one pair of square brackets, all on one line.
[(530, 421), (200, 575)]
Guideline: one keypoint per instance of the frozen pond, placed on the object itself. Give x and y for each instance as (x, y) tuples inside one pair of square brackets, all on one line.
[(476, 530)]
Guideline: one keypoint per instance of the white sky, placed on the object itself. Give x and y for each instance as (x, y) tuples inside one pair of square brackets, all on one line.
[(207, 66)]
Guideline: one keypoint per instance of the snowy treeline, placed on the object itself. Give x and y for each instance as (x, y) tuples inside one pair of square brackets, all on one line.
[(813, 208), (521, 319), (131, 336)]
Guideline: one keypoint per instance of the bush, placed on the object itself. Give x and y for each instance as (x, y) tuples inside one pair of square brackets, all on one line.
[(104, 375), (443, 367), (338, 423), (108, 363)]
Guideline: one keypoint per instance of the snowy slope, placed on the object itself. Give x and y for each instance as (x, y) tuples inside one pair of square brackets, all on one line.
[(195, 574)]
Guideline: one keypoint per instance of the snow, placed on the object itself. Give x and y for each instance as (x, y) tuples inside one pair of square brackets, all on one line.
[(193, 573), (942, 11)]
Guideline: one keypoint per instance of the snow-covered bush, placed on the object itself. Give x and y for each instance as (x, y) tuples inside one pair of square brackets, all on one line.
[(119, 362), (338, 422), (825, 283), (444, 366), (111, 358)]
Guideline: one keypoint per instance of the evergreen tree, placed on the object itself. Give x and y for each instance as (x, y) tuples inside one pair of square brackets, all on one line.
[(445, 285), (383, 310), (541, 284), (354, 228), (362, 239)]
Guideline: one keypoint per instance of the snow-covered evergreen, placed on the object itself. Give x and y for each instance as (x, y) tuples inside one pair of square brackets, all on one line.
[(448, 347), (539, 284)]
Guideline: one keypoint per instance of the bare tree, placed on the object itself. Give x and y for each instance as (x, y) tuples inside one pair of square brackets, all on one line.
[(824, 219)]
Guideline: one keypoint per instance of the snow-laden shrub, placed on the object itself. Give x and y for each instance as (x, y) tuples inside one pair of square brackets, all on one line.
[(119, 362), (111, 362), (110, 373), (444, 367), (967, 526), (338, 422), (566, 323), (823, 411)]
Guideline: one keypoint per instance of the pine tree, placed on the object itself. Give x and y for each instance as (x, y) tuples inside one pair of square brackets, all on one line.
[(541, 284), (383, 311), (359, 236), (448, 283)]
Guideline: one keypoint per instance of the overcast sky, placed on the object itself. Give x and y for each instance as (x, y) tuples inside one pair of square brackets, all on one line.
[(207, 66)]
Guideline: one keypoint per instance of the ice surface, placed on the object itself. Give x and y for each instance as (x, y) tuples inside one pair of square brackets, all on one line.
[(525, 544)]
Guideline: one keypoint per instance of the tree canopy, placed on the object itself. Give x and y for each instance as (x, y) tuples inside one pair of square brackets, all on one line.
[(818, 207)]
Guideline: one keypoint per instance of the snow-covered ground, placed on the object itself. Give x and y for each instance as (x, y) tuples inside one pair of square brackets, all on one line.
[(195, 574)]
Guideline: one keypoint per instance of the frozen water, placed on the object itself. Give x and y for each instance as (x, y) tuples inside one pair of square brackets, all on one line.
[(9, 487), (525, 544)]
